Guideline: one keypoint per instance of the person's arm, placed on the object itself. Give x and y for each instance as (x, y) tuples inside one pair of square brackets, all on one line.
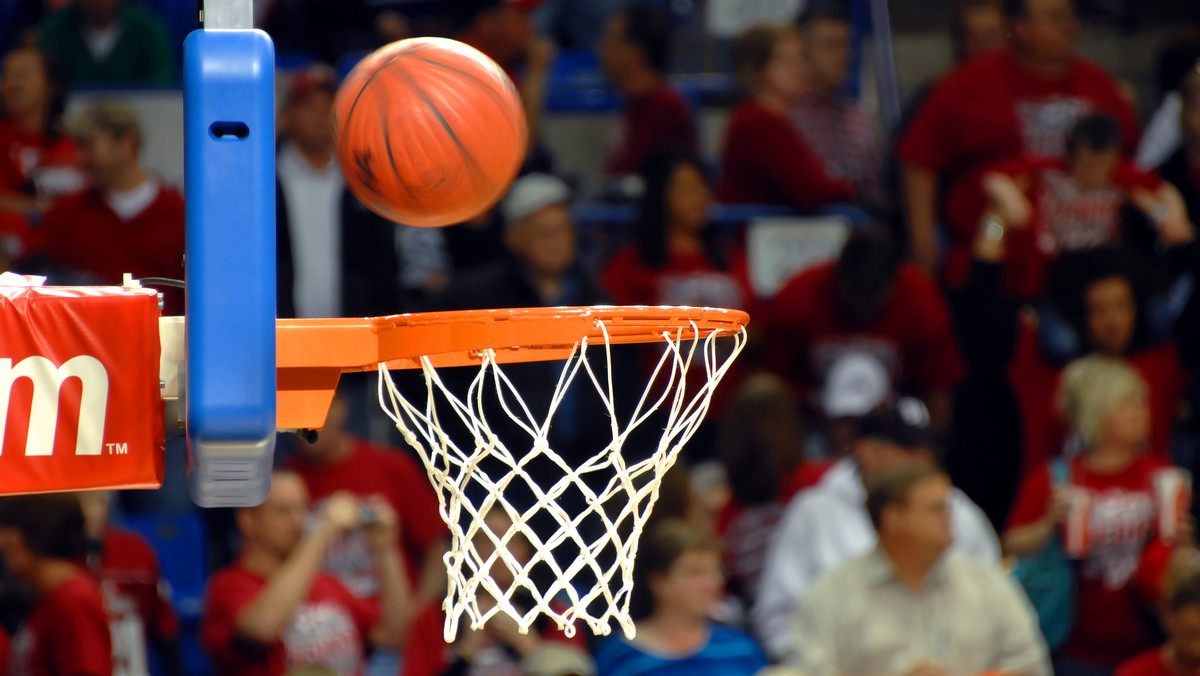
[(1025, 540), (432, 583), (395, 598), (264, 619), (1020, 648), (1008, 199), (26, 204), (787, 575), (920, 187), (811, 640), (539, 56)]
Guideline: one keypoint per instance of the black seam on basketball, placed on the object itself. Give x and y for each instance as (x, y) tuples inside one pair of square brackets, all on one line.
[(370, 79), (416, 88), (482, 84)]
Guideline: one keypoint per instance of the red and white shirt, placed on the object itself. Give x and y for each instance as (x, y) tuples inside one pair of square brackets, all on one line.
[(990, 111), (37, 165), (653, 122), (370, 469), (66, 635), (134, 599), (1110, 621), (330, 628)]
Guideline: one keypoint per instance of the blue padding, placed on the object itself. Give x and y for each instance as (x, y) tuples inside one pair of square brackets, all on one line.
[(229, 88)]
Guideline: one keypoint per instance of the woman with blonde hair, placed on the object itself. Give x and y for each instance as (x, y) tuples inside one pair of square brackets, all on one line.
[(1108, 499)]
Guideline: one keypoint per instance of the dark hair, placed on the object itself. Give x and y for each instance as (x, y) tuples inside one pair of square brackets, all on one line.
[(51, 524), (958, 28), (659, 548), (1073, 272), (895, 486), (1095, 131), (1184, 593), (868, 261), (648, 27), (822, 10), (462, 14), (650, 231), (57, 105), (1177, 58), (761, 439), (1019, 9), (752, 52)]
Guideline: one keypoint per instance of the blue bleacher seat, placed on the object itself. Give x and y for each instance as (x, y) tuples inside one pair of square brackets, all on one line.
[(180, 541)]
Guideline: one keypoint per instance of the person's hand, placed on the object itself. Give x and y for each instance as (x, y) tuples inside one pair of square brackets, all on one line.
[(539, 54), (384, 524), (340, 513), (1008, 201), (1060, 506), (989, 248)]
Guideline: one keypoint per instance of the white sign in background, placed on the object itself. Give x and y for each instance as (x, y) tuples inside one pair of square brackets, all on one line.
[(777, 248)]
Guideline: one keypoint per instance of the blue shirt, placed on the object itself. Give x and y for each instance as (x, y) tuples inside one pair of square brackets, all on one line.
[(728, 652)]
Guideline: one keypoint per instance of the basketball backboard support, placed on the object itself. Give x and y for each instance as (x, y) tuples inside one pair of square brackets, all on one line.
[(229, 169)]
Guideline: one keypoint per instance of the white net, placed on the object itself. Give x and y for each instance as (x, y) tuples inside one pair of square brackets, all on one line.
[(512, 568)]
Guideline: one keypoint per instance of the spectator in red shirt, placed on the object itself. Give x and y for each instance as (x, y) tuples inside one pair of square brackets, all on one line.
[(275, 610), (867, 302), (765, 160), (634, 54), (1182, 169), (139, 615), (337, 462), (1181, 619), (1050, 205), (840, 133), (1018, 101), (1107, 404), (41, 538), (128, 221), (37, 161)]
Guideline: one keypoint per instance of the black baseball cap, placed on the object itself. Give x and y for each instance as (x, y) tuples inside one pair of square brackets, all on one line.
[(902, 420)]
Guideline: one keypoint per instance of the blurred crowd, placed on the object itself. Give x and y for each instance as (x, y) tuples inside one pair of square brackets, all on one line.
[(960, 445)]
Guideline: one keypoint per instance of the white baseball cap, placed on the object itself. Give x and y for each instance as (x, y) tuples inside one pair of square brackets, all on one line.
[(532, 193)]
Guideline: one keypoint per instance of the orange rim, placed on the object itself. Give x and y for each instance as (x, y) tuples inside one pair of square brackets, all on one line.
[(311, 354)]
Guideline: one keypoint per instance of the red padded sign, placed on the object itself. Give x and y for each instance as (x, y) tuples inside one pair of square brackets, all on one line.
[(80, 406)]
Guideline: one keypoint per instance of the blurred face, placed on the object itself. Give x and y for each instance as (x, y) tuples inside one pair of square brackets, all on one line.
[(498, 523), (277, 525), (924, 519), (694, 583), (783, 76), (24, 85), (17, 557), (545, 240), (513, 33), (983, 29), (827, 55), (1047, 33), (688, 199), (1128, 424), (1111, 315), (1183, 626), (879, 455), (106, 156), (310, 121), (1094, 169), (615, 52)]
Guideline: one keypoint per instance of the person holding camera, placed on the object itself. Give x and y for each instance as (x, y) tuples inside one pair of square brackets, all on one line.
[(274, 610)]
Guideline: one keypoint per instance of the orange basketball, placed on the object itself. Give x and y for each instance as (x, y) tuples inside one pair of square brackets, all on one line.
[(429, 131)]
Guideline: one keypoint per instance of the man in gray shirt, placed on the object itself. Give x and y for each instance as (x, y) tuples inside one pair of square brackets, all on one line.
[(908, 608)]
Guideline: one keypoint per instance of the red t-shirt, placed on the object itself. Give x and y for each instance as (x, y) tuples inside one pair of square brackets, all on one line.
[(137, 611), (330, 628), (1035, 384), (5, 653), (36, 165), (368, 470), (83, 233), (988, 111), (655, 121), (913, 338), (1110, 624), (66, 635), (766, 161), (1149, 663), (1066, 217), (428, 654)]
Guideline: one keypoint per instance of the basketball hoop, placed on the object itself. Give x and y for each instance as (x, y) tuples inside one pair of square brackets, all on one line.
[(486, 339)]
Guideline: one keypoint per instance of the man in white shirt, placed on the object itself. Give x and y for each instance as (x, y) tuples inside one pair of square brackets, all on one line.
[(827, 525), (911, 606)]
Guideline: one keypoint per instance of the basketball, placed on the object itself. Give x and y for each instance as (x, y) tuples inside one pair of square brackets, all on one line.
[(429, 132)]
